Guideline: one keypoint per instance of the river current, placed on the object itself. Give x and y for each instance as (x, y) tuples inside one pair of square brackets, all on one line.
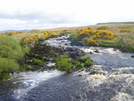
[(110, 78)]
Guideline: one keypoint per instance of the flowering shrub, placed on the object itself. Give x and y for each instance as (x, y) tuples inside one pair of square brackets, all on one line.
[(47, 34), (91, 41), (126, 30), (105, 34), (53, 34), (1, 35), (36, 36), (86, 31)]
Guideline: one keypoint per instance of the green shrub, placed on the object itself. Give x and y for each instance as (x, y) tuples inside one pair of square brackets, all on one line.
[(75, 62), (87, 61), (79, 65), (10, 48), (8, 65), (74, 36), (62, 63), (4, 76), (37, 61), (86, 58), (79, 59), (25, 67)]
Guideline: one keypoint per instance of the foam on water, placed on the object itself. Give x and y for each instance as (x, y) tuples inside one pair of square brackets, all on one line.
[(116, 83), (31, 80), (120, 96)]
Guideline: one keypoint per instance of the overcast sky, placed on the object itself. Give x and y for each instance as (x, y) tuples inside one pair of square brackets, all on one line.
[(43, 14)]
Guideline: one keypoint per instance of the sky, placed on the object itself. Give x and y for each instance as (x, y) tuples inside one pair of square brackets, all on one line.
[(45, 14)]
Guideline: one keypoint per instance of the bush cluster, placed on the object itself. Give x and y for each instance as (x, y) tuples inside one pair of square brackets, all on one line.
[(91, 41), (47, 34), (74, 36), (10, 54), (126, 30), (105, 34), (87, 61), (89, 35), (37, 61), (63, 63), (10, 48)]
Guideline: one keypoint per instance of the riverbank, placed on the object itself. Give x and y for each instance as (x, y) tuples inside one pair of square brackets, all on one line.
[(103, 37)]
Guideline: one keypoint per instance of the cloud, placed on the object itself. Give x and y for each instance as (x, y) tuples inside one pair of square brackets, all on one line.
[(32, 14)]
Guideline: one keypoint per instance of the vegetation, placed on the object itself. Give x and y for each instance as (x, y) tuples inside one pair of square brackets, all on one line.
[(74, 36), (4, 76), (120, 36), (10, 48), (37, 61), (126, 30), (10, 54), (25, 67), (87, 61), (89, 36), (8, 65), (63, 63), (79, 65), (102, 28)]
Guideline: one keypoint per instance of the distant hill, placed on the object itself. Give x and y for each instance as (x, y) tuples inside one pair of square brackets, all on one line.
[(115, 23), (13, 31)]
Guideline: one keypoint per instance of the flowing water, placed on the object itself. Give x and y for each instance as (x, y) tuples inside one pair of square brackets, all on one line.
[(110, 78)]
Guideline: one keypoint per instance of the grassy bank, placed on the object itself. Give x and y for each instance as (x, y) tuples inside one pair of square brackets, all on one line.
[(118, 36), (14, 46)]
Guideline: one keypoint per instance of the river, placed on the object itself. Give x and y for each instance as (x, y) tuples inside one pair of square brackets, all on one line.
[(110, 78)]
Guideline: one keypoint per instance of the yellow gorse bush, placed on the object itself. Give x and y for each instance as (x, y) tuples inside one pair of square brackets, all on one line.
[(36, 36), (48, 34), (105, 34), (126, 30), (1, 35), (91, 41), (54, 34), (86, 31)]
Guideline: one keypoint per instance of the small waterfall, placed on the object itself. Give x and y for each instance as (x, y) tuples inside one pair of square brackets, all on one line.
[(32, 79)]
